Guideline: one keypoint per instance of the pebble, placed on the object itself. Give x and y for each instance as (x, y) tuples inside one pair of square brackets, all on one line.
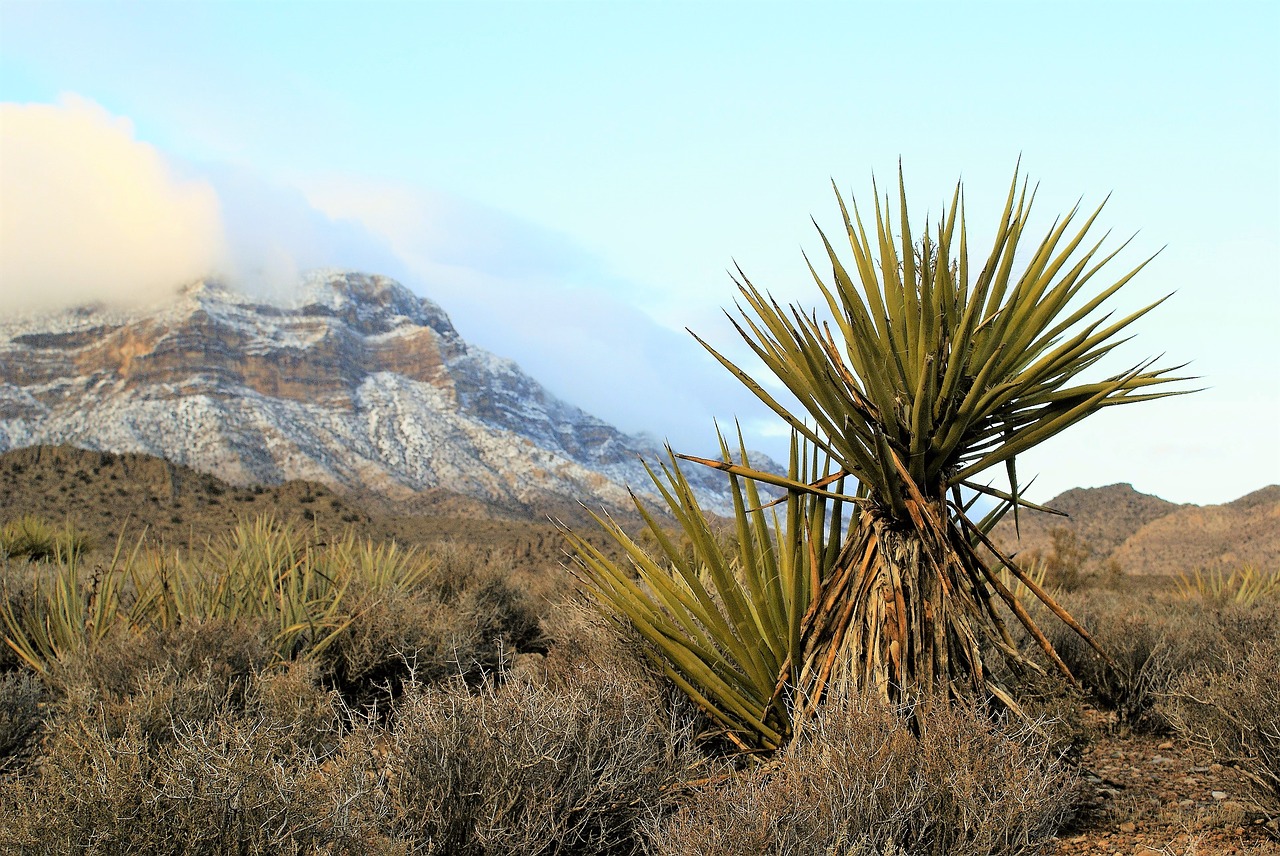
[(1128, 827), (1168, 744), (1218, 795)]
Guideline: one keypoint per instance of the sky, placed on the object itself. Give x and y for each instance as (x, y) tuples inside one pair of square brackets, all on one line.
[(572, 182)]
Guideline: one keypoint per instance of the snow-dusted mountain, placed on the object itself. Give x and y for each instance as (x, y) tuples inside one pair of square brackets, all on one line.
[(354, 382)]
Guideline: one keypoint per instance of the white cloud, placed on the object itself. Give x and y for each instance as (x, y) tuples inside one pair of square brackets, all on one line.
[(87, 212)]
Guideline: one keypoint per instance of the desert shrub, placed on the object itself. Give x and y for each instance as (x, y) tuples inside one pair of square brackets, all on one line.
[(463, 617), (857, 781), (227, 652), (1151, 642), (161, 776), (1238, 624), (1234, 711), (568, 761), (22, 697)]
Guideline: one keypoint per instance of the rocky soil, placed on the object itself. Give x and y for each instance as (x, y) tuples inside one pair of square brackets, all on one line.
[(1154, 796)]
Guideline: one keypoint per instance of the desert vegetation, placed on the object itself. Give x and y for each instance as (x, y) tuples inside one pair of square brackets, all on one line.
[(849, 664), (452, 712)]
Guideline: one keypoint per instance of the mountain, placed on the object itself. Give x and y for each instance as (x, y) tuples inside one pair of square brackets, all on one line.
[(1143, 534), (354, 382)]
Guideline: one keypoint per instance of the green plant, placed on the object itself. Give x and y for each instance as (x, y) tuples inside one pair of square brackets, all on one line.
[(66, 612), (262, 571), (1243, 585), (37, 540), (724, 616), (923, 377)]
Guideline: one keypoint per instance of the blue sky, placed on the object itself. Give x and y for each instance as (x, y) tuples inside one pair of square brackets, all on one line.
[(572, 180)]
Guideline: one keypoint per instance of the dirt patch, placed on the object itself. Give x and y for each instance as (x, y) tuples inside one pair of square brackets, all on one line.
[(1155, 796)]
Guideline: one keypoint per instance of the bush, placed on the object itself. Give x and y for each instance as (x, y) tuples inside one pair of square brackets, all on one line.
[(191, 673), (857, 781), (1234, 711), (462, 618), (1152, 644), (181, 771), (569, 761), (21, 701), (198, 740)]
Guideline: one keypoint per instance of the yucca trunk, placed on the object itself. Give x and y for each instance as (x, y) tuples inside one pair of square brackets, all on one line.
[(896, 617)]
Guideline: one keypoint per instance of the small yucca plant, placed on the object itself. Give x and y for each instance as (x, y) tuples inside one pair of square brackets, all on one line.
[(926, 375), (263, 569), (1244, 585), (29, 537)]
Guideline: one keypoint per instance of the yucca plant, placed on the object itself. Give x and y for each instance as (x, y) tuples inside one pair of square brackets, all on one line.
[(724, 611), (1244, 585), (922, 378), (66, 613), (32, 538), (262, 569)]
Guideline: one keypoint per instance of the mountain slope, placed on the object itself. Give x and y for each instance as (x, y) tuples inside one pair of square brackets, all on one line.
[(355, 383), (1144, 534)]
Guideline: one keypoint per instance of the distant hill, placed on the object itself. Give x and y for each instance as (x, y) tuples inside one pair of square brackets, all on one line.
[(1144, 534), (103, 493)]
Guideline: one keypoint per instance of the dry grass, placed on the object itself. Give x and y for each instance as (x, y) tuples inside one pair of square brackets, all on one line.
[(859, 782), (1152, 643), (1155, 640), (1233, 710)]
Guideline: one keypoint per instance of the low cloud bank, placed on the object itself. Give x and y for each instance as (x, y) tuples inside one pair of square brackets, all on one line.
[(87, 212), (92, 214)]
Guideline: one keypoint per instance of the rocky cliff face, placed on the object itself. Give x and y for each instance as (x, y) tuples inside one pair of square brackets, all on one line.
[(355, 382)]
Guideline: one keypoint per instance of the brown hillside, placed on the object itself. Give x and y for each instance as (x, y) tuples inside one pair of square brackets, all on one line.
[(1244, 532), (1143, 534), (103, 493), (1102, 517)]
